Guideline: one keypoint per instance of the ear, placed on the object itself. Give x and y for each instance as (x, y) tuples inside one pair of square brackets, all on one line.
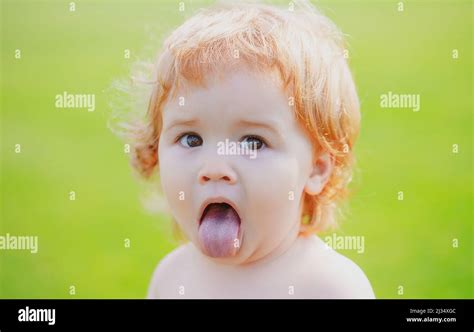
[(319, 175)]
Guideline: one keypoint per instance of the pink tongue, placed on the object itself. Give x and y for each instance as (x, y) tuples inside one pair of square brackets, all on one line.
[(219, 230)]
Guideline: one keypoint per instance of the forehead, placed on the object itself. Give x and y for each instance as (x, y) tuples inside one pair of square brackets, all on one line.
[(233, 95)]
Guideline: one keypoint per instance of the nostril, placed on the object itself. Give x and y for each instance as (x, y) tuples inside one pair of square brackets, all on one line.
[(206, 178), (218, 173)]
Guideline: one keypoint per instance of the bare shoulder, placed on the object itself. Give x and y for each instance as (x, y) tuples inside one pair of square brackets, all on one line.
[(332, 275), (167, 269)]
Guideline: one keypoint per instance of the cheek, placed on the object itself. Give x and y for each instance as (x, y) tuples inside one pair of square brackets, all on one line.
[(273, 191), (176, 183)]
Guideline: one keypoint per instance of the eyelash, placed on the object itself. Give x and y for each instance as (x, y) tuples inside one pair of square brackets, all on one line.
[(265, 144), (180, 136)]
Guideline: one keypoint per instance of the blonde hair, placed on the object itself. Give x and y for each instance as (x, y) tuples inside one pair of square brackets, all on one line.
[(303, 46)]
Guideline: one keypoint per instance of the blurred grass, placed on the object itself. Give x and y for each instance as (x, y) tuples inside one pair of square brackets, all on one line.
[(81, 242)]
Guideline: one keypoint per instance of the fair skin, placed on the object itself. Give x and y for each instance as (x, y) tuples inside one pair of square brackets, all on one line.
[(268, 259)]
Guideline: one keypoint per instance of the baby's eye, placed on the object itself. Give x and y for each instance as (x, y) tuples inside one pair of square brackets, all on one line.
[(190, 140), (252, 143)]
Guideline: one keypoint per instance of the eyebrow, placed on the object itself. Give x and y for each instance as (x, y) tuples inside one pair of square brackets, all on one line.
[(182, 122), (240, 123), (248, 123)]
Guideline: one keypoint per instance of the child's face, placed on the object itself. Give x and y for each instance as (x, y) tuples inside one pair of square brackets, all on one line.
[(199, 163)]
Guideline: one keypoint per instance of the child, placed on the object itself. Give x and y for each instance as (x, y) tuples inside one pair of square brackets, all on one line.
[(251, 124)]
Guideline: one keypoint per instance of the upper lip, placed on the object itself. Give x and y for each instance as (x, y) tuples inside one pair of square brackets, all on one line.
[(219, 199)]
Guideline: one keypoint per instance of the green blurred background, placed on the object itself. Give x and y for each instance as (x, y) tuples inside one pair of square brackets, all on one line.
[(82, 243)]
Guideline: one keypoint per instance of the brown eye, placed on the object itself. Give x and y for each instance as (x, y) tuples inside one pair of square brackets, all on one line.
[(190, 140), (252, 143)]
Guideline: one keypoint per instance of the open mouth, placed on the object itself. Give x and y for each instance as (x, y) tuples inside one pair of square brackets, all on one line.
[(219, 229)]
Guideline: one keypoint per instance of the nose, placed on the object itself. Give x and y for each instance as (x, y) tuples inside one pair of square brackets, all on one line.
[(216, 170)]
